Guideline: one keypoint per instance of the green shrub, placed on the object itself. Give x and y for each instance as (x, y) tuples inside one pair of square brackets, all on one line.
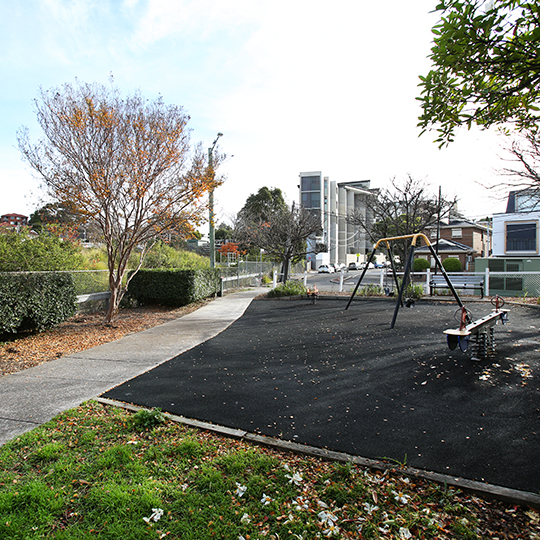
[(164, 256), (420, 264), (148, 418), (35, 301), (451, 264), (291, 288), (20, 252), (414, 291), (371, 290), (174, 287)]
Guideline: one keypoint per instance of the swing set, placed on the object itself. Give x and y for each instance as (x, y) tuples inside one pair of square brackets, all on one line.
[(406, 275), (482, 329)]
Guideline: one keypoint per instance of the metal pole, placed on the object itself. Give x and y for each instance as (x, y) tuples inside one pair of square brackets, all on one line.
[(403, 284), (211, 232), (371, 257)]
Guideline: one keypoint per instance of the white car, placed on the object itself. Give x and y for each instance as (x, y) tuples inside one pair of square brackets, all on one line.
[(326, 269)]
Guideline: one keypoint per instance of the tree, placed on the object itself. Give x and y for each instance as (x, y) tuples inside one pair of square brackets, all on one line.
[(525, 175), (258, 208), (263, 204), (407, 208), (54, 213), (125, 164), (282, 233), (224, 232), (486, 66)]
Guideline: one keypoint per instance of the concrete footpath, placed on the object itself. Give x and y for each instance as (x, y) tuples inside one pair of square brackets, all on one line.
[(34, 396)]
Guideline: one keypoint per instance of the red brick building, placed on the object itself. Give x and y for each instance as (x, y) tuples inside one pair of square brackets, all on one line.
[(465, 240), (14, 220)]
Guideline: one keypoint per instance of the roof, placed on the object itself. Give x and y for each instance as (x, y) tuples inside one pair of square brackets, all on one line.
[(13, 215), (463, 223), (448, 246)]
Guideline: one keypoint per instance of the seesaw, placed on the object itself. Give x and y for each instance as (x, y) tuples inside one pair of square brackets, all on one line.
[(482, 329)]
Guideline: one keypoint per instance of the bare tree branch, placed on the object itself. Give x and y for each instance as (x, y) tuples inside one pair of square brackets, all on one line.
[(126, 164)]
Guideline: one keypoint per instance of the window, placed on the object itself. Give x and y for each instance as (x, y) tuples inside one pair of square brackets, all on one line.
[(311, 183), (311, 200), (521, 236), (457, 233)]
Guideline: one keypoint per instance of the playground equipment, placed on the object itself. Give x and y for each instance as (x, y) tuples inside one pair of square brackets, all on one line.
[(406, 275), (482, 329), (313, 294)]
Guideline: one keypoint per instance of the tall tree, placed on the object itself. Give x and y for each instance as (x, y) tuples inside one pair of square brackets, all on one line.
[(486, 66), (404, 209), (124, 163), (264, 203), (282, 233)]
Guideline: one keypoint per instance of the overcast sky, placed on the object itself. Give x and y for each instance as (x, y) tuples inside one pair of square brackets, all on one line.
[(294, 86)]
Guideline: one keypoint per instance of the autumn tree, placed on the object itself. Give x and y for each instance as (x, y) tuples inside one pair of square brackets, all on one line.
[(486, 66), (281, 232), (124, 163), (406, 208)]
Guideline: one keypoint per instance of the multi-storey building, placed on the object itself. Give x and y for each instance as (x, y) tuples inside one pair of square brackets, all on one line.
[(341, 241), (14, 220)]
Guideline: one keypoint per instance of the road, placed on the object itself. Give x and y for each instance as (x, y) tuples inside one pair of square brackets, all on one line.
[(330, 282)]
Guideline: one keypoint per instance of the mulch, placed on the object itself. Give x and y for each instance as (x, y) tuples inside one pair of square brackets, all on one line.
[(82, 332)]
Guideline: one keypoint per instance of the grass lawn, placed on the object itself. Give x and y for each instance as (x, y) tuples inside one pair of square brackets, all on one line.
[(103, 472)]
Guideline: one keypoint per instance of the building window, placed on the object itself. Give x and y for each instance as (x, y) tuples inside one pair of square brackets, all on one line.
[(457, 233), (311, 200), (521, 236), (433, 233), (311, 183)]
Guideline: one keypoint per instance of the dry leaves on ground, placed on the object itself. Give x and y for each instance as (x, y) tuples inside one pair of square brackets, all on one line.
[(80, 333)]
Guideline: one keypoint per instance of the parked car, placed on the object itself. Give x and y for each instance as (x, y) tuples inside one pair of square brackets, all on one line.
[(326, 269), (353, 266), (339, 267)]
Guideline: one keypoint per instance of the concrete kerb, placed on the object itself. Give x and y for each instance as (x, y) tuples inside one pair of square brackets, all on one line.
[(490, 491)]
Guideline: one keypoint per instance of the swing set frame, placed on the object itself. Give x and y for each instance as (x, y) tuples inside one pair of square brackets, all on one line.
[(406, 274)]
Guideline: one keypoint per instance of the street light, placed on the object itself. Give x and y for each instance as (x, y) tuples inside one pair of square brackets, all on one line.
[(211, 204)]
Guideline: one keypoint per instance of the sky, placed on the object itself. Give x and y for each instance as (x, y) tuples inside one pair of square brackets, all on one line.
[(293, 85)]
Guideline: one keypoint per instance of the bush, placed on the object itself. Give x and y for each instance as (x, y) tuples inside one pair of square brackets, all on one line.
[(371, 290), (174, 287), (165, 256), (291, 288), (35, 301), (420, 264), (20, 252), (148, 418), (451, 264)]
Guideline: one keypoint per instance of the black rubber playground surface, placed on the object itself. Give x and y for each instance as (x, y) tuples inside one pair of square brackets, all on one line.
[(343, 380)]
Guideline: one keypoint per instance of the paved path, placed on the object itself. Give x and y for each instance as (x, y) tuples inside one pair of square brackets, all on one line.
[(32, 397)]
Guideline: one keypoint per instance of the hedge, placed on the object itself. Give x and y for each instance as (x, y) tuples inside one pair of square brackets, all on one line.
[(174, 287), (35, 301), (452, 264)]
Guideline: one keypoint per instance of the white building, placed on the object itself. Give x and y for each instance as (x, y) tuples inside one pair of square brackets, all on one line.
[(335, 201), (515, 233)]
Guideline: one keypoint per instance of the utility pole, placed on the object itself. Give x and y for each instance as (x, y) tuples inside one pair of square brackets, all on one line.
[(212, 232)]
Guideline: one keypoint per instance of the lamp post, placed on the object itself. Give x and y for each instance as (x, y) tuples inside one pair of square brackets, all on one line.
[(211, 204)]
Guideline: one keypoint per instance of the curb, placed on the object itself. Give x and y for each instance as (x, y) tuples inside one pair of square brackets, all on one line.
[(512, 496)]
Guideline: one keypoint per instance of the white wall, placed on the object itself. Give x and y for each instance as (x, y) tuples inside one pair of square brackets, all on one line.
[(499, 229)]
